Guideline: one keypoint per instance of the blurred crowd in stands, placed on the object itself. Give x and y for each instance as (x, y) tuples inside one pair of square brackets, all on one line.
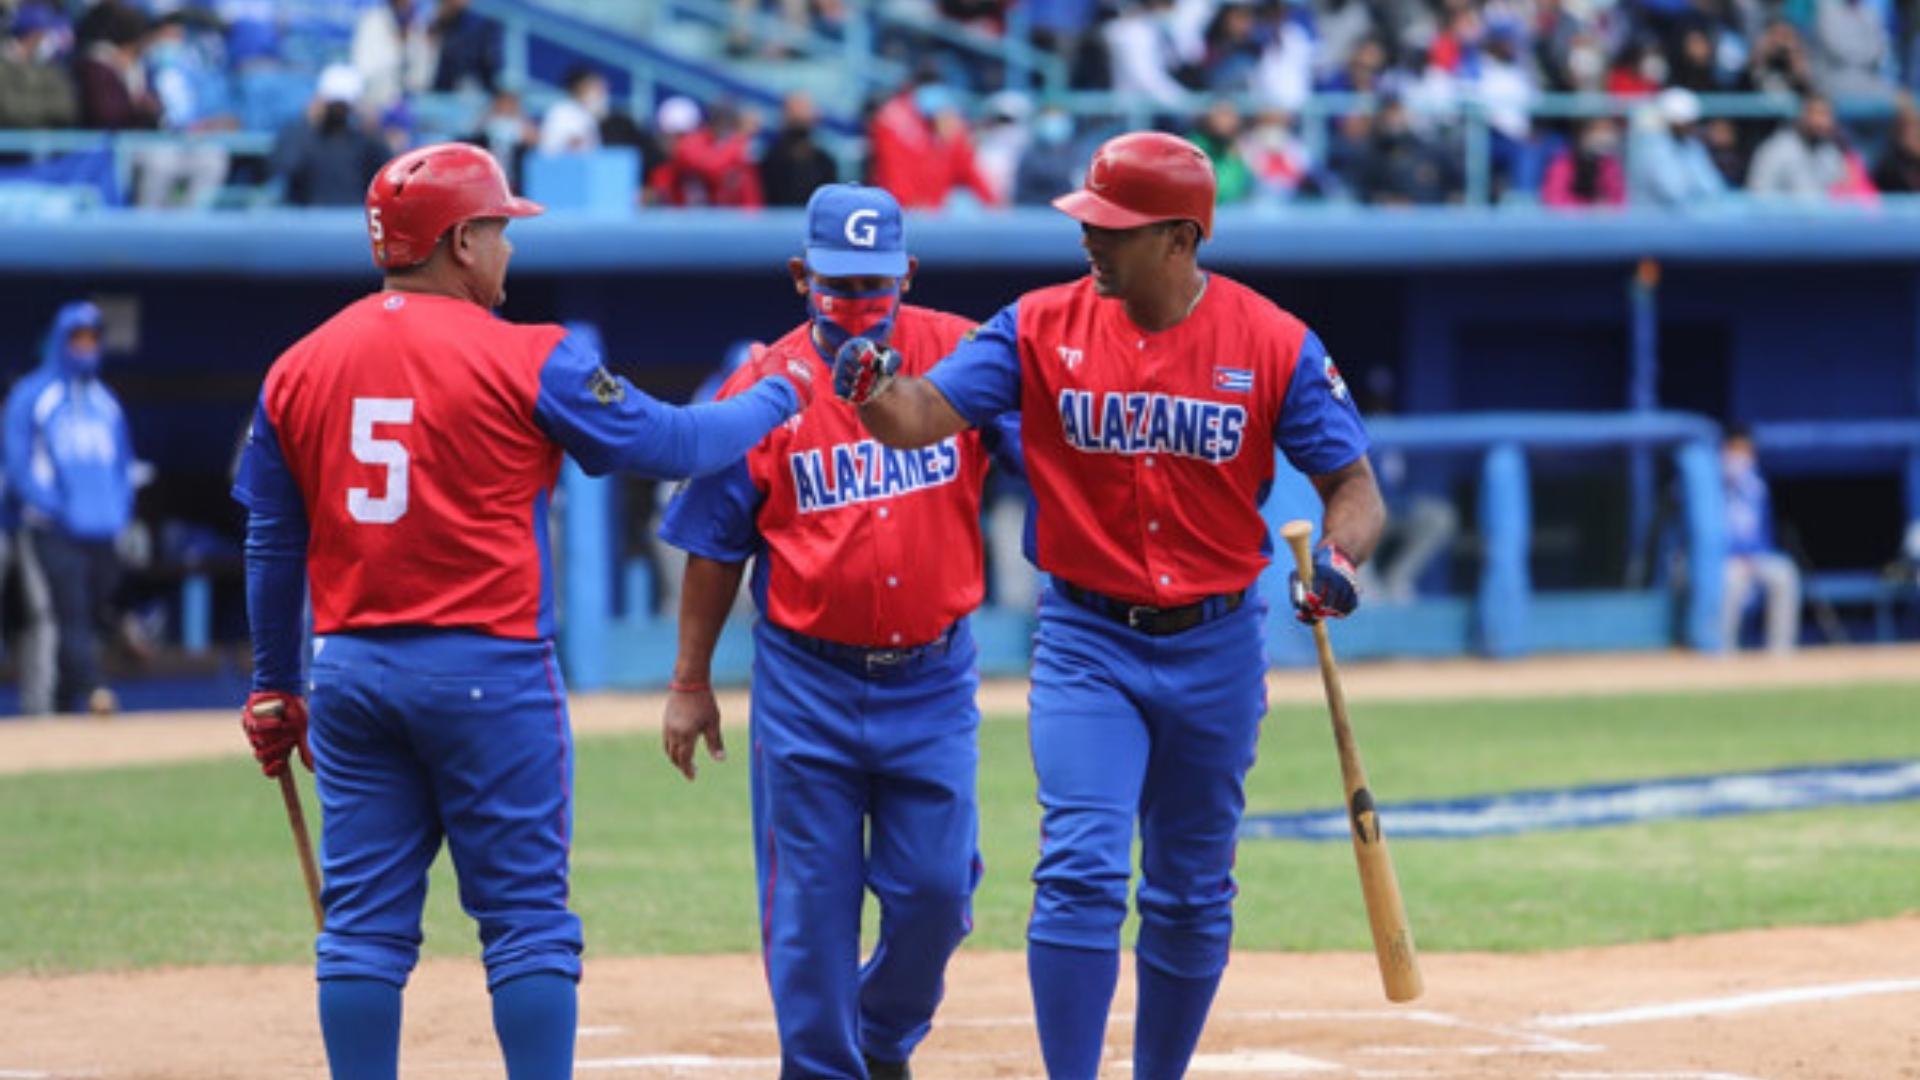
[(1366, 101)]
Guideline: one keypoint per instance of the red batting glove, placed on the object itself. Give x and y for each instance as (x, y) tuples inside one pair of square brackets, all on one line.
[(771, 365), (276, 724)]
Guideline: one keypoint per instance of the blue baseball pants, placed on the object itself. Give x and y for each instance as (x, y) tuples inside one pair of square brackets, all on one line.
[(862, 780)]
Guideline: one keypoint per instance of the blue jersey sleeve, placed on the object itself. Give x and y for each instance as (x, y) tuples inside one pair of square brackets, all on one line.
[(1319, 427), (715, 516), (276, 553), (1002, 439), (22, 433), (981, 377), (607, 423)]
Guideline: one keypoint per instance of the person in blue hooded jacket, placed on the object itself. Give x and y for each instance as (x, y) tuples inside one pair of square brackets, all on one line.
[(68, 464)]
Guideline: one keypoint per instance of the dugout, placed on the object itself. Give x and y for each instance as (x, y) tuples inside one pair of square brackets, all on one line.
[(1804, 323)]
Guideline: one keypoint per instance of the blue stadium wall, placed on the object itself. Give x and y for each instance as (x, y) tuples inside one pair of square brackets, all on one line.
[(1760, 318)]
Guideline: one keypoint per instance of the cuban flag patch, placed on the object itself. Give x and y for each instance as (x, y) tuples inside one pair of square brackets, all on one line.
[(1233, 379)]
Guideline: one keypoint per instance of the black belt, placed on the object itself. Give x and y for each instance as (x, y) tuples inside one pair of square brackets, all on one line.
[(872, 663), (1153, 621)]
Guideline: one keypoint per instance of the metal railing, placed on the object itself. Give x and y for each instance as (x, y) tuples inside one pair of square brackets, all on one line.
[(1465, 117)]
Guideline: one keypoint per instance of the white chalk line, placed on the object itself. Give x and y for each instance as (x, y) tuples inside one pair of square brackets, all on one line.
[(1684, 1075), (1716, 1006)]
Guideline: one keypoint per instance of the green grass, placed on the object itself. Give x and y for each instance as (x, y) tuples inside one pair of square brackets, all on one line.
[(192, 864)]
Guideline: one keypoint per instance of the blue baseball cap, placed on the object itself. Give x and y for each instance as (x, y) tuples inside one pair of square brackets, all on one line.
[(855, 231)]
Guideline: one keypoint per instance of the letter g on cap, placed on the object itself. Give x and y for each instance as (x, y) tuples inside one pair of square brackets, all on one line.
[(861, 230)]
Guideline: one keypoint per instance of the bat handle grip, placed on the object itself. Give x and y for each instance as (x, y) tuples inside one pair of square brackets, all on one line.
[(1299, 536)]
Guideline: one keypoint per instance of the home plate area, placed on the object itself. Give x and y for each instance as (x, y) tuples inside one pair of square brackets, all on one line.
[(1805, 1003), (1795, 1004)]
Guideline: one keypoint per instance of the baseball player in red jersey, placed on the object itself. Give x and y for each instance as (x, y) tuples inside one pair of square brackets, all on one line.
[(401, 462), (1152, 396), (866, 564)]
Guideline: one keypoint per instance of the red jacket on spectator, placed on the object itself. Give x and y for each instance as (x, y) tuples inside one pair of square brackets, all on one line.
[(706, 171), (919, 164)]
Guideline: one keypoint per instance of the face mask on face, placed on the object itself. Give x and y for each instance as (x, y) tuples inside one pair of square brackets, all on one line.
[(1053, 128), (503, 132), (83, 359), (839, 316), (1585, 63), (597, 103)]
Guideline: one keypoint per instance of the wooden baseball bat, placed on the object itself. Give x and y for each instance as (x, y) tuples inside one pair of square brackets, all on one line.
[(1379, 886), (297, 819)]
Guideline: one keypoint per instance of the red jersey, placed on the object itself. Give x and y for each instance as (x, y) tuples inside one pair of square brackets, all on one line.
[(407, 421), (857, 544), (1151, 453)]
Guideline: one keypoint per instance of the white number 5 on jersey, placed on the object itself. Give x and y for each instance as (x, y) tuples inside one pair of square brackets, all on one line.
[(392, 506)]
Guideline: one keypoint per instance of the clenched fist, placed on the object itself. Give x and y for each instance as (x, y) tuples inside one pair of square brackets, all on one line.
[(863, 369), (1335, 591)]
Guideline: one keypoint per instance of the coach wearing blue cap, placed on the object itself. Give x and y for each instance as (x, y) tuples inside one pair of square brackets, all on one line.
[(866, 563)]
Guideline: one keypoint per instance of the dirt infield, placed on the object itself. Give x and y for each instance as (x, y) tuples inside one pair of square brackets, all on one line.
[(1798, 1004), (1833, 1003)]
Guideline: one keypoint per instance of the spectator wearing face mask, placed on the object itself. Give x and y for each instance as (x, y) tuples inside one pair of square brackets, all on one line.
[(114, 93), (36, 90), (1779, 62), (507, 132), (713, 164), (921, 150), (1399, 167), (1217, 134), (1277, 158), (572, 124), (794, 164), (1806, 159), (1051, 166), (1668, 165), (328, 157), (1588, 173), (1639, 70), (69, 463)]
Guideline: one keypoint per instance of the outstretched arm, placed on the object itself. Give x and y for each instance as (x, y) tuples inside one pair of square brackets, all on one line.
[(975, 383), (607, 423), (911, 413)]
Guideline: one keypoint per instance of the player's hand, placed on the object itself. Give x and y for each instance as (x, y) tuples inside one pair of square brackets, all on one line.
[(1336, 587), (276, 725), (769, 365), (692, 714), (863, 369)]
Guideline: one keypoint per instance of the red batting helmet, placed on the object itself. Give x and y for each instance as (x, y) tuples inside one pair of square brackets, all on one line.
[(415, 198), (1142, 177)]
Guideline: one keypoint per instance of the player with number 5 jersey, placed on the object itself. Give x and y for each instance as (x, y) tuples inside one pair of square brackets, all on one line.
[(401, 462)]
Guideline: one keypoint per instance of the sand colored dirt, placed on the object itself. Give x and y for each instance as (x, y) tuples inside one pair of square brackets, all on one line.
[(1485, 1017), (1833, 1003)]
